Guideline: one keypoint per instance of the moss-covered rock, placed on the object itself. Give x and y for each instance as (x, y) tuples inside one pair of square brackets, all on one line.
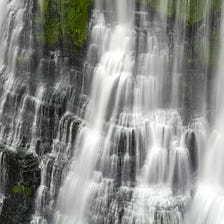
[(21, 179), (65, 20), (23, 190), (195, 11)]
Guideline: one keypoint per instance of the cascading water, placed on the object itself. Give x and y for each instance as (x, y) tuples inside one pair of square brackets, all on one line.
[(12, 82), (9, 42), (11, 26), (31, 104), (208, 204), (131, 163)]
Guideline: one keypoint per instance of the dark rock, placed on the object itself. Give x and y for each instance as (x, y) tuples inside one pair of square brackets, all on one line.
[(21, 183)]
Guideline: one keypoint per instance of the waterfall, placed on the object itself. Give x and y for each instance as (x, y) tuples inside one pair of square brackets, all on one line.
[(11, 27), (15, 45), (132, 161), (127, 137), (208, 204)]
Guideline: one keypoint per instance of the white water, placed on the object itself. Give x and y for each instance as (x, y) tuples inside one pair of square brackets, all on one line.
[(182, 10), (208, 204), (9, 45), (11, 28), (130, 143)]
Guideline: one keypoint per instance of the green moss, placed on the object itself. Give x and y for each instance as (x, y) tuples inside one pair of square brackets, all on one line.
[(216, 5), (197, 11), (41, 4), (75, 20), (192, 10), (22, 190), (21, 59), (214, 47), (65, 20)]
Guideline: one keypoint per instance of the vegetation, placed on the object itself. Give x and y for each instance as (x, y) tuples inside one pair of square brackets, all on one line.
[(22, 190), (64, 20), (197, 9)]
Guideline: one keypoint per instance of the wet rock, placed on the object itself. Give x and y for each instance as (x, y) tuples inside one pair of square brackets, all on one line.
[(192, 145), (21, 182)]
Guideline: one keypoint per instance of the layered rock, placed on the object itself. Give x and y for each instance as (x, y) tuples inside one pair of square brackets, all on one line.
[(21, 174)]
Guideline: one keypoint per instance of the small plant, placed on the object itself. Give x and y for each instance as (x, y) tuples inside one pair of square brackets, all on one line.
[(22, 190), (21, 59)]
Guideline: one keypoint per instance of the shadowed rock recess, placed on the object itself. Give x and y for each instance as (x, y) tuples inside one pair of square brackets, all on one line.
[(106, 110)]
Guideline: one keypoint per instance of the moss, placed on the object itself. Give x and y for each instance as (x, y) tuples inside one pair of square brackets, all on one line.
[(65, 20), (41, 4), (75, 20), (195, 11), (214, 47), (22, 190), (216, 5), (21, 59)]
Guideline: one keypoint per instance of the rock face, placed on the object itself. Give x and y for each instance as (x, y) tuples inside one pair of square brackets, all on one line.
[(21, 174), (39, 83)]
